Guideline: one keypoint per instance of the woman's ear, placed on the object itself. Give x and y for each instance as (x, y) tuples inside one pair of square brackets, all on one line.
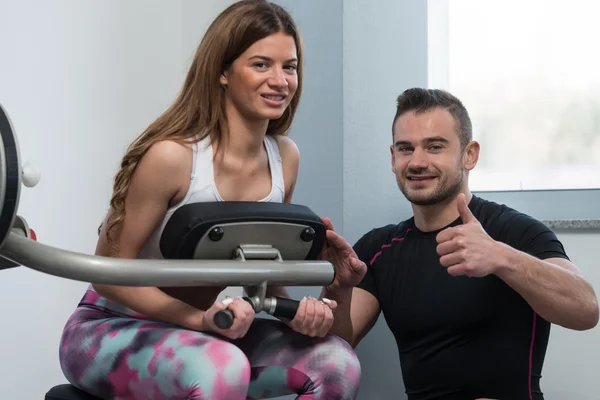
[(224, 78)]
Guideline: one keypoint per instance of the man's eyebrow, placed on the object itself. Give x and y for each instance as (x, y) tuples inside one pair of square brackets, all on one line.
[(436, 139), (426, 141)]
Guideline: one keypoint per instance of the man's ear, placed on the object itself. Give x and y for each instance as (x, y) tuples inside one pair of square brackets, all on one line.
[(471, 155), (393, 157)]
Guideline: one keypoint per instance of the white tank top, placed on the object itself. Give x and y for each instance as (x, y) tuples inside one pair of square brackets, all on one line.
[(204, 189)]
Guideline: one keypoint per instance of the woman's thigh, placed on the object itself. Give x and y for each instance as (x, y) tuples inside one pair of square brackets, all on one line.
[(124, 358)]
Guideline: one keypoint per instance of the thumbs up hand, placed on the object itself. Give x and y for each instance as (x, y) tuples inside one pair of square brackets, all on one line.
[(463, 210), (467, 249)]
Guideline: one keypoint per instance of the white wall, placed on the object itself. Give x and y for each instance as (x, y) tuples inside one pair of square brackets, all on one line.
[(79, 81)]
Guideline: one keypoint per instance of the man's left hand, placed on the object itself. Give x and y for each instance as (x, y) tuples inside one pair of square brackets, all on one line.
[(467, 249), (349, 269)]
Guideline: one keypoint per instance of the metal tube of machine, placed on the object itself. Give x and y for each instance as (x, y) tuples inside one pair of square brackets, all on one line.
[(130, 272)]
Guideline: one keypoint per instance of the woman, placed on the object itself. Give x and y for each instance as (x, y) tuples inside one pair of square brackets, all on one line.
[(223, 139)]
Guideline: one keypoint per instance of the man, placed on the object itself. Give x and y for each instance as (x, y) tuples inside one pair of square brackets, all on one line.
[(468, 287)]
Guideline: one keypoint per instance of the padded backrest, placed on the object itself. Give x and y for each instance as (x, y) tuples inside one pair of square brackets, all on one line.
[(293, 229)]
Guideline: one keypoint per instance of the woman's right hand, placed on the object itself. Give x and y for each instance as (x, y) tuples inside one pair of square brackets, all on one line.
[(243, 315)]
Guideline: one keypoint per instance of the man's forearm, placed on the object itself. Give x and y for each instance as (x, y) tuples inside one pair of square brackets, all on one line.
[(559, 295), (342, 323)]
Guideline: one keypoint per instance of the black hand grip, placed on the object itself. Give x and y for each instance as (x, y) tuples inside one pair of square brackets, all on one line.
[(285, 308), (224, 319)]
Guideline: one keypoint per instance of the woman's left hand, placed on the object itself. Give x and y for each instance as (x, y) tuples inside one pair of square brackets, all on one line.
[(314, 317)]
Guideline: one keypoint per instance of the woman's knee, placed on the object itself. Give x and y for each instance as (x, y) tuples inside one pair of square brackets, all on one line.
[(334, 369), (220, 370), (342, 358)]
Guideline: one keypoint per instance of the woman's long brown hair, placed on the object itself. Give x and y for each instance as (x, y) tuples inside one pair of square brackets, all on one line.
[(199, 109)]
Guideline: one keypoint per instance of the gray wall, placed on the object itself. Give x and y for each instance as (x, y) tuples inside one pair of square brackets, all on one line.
[(343, 131), (318, 127), (378, 64)]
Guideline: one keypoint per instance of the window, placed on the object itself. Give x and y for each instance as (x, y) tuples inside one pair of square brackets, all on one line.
[(528, 71)]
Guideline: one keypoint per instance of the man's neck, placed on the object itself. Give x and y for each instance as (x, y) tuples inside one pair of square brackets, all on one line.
[(245, 137), (437, 216)]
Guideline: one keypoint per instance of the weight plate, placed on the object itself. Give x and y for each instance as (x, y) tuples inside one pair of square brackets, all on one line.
[(10, 175)]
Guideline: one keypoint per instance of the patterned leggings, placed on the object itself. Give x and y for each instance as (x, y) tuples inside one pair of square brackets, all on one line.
[(122, 358)]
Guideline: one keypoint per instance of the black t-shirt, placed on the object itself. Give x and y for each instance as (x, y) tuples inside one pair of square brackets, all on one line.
[(459, 337)]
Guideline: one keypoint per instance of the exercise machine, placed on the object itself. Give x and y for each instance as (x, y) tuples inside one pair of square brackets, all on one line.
[(247, 244)]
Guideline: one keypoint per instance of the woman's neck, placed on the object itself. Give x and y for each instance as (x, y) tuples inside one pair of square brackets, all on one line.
[(245, 137)]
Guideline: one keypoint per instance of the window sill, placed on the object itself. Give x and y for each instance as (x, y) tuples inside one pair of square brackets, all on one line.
[(573, 224)]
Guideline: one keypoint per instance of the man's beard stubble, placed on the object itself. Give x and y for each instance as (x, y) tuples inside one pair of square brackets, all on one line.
[(441, 193)]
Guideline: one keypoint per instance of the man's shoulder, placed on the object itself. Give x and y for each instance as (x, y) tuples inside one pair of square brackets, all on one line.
[(517, 229), (386, 232), (492, 213), (505, 223), (372, 244), (377, 238)]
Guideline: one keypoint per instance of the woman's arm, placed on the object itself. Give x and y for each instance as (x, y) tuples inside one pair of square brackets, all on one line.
[(158, 181)]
